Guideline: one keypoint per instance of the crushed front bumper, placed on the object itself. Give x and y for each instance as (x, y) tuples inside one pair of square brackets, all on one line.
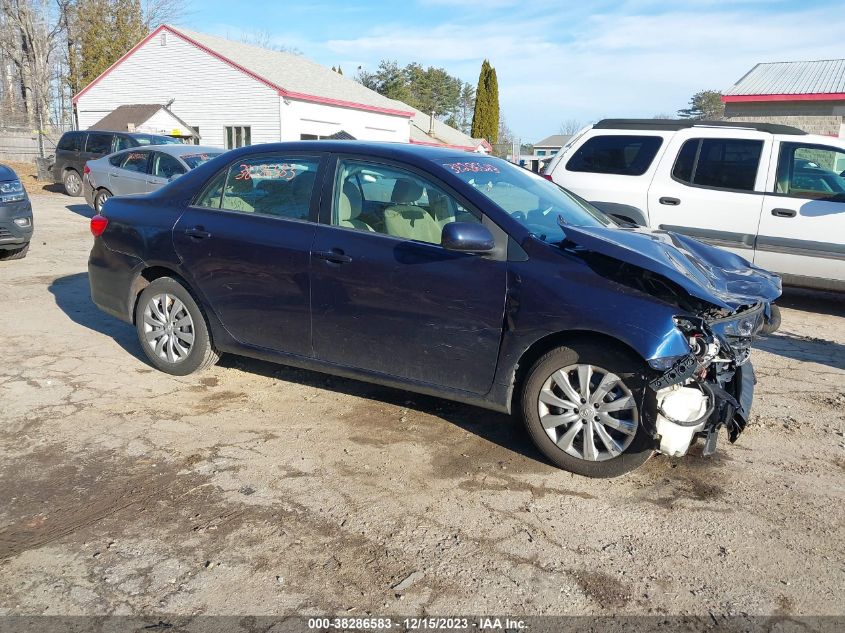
[(711, 387)]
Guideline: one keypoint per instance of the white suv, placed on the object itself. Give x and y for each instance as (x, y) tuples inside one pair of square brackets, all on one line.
[(770, 193)]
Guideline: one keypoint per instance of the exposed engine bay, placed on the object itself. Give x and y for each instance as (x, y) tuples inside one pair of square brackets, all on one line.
[(711, 387)]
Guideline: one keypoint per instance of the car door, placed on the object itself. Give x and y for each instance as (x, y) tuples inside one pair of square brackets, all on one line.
[(244, 243), (132, 173), (709, 186), (165, 168), (802, 229), (386, 297)]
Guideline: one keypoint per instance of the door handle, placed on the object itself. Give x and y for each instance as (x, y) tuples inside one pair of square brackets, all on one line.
[(672, 202), (784, 213), (336, 256), (198, 233)]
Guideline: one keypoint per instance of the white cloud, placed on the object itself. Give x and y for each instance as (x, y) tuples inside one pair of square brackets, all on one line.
[(558, 64)]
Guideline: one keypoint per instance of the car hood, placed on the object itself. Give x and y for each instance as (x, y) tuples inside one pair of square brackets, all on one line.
[(708, 273)]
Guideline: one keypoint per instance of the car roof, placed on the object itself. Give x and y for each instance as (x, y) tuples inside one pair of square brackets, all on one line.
[(181, 149), (7, 173), (377, 149), (672, 125)]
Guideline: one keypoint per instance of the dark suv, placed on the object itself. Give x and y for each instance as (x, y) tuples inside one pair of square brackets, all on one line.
[(15, 216), (77, 148)]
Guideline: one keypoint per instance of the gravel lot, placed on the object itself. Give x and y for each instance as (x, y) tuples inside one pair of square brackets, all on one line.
[(260, 489)]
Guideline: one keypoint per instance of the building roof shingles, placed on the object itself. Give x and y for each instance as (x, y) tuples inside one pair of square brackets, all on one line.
[(825, 76)]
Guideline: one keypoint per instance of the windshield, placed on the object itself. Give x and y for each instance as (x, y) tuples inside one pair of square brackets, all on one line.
[(539, 205), (195, 160)]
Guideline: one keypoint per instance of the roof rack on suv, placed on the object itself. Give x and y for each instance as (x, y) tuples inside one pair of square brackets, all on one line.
[(681, 124)]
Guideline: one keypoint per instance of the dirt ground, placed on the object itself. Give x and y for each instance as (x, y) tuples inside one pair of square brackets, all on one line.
[(260, 489)]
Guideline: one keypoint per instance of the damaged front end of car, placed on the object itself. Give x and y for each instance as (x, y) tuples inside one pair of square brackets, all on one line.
[(722, 303), (709, 388)]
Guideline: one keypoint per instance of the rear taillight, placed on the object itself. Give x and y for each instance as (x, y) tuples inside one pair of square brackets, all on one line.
[(86, 169), (547, 177), (98, 225)]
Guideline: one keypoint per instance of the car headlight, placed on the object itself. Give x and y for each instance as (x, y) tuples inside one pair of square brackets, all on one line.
[(22, 222), (11, 191)]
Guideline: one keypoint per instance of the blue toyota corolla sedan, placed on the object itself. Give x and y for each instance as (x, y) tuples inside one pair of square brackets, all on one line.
[(446, 273)]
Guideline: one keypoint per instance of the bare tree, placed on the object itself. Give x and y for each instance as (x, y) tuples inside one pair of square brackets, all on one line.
[(158, 12), (263, 39), (570, 126), (29, 33)]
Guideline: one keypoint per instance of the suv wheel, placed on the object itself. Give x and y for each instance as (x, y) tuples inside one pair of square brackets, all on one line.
[(73, 183), (582, 408), (172, 329)]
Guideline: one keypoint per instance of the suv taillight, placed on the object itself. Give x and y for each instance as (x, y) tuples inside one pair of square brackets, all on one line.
[(547, 177), (98, 225), (86, 169)]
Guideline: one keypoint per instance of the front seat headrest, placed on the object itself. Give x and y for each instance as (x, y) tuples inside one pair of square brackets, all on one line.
[(406, 191)]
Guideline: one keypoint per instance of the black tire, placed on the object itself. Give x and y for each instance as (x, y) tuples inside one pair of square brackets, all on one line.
[(100, 197), (773, 324), (72, 182), (201, 353), (615, 360), (18, 253)]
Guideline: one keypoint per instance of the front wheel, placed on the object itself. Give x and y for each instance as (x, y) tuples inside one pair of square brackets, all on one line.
[(172, 329), (18, 253), (582, 406)]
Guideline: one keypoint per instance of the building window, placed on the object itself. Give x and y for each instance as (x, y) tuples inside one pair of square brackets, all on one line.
[(238, 136), (541, 152)]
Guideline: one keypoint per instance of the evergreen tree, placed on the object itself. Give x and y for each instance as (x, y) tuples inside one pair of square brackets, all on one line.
[(485, 120), (706, 104)]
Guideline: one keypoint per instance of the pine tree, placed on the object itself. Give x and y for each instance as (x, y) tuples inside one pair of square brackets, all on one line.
[(485, 120)]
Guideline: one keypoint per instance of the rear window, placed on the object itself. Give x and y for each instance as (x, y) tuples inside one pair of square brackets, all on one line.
[(136, 161), (620, 154), (71, 141), (154, 139), (717, 162), (99, 143)]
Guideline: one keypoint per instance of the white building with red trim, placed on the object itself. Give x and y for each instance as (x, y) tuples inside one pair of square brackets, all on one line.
[(235, 94), (808, 95)]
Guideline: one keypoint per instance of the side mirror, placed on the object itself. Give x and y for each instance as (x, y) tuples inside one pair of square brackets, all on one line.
[(467, 237)]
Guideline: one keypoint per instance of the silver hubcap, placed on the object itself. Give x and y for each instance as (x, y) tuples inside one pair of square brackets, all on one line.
[(588, 412), (101, 199), (72, 183), (168, 328)]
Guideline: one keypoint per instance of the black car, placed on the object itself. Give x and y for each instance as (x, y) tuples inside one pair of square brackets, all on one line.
[(446, 273), (15, 216), (78, 147)]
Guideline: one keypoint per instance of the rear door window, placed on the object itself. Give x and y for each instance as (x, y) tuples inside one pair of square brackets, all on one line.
[(99, 143), (620, 154), (72, 142), (280, 186), (124, 142), (136, 161), (720, 163)]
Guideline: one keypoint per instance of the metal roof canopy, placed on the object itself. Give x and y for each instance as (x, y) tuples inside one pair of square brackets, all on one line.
[(683, 124)]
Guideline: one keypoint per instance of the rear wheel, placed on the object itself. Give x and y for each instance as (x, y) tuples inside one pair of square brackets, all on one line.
[(582, 407), (100, 199), (172, 329), (73, 183), (772, 325), (18, 253)]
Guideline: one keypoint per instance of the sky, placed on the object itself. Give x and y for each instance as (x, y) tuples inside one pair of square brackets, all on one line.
[(557, 61)]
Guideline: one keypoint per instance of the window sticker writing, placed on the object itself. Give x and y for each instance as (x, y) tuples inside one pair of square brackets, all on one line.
[(462, 168), (273, 171), (137, 156)]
